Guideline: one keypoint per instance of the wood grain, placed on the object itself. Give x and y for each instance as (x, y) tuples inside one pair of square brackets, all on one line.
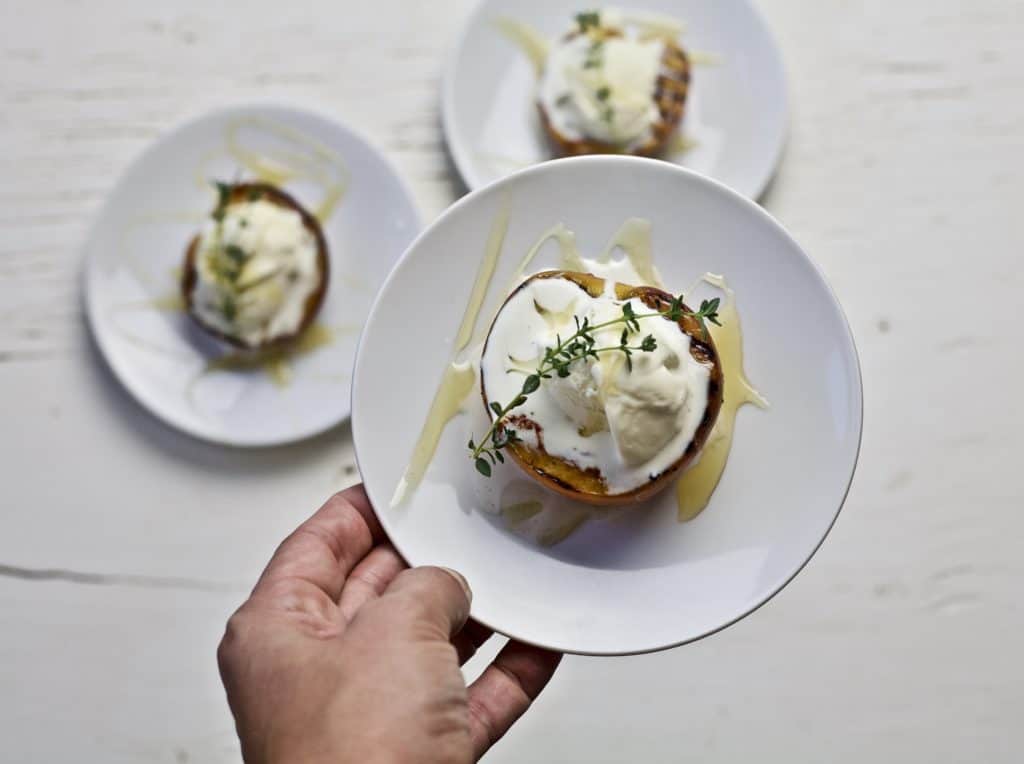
[(124, 545)]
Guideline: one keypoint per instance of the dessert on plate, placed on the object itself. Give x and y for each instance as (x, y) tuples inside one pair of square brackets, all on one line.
[(256, 274), (600, 391), (613, 84)]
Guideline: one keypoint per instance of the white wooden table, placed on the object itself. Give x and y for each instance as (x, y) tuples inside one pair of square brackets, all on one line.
[(124, 545)]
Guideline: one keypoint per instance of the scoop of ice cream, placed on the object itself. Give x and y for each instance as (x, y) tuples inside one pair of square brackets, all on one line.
[(643, 415), (640, 400), (644, 399), (256, 267), (602, 90), (580, 398), (627, 420)]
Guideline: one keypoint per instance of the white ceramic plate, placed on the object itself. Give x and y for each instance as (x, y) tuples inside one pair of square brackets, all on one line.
[(736, 111), (640, 581), (135, 249)]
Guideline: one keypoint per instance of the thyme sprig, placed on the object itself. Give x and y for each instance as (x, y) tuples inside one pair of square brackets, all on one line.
[(579, 346), (229, 259), (223, 198), (588, 20), (603, 93), (594, 56)]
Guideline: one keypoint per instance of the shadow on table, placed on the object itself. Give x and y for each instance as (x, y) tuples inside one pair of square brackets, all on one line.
[(452, 179), (776, 181), (199, 454), (457, 187)]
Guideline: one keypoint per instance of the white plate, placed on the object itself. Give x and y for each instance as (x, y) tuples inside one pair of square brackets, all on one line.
[(641, 581), (736, 111), (135, 249)]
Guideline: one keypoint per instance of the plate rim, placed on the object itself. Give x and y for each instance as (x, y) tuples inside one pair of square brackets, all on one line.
[(857, 389), (458, 151), (87, 258)]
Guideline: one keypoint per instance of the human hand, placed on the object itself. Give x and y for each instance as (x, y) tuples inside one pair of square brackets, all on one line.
[(343, 654)]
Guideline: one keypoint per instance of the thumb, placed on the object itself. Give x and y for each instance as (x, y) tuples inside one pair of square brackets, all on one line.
[(435, 598)]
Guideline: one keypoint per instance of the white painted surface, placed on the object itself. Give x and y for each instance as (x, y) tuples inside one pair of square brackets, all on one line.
[(900, 642)]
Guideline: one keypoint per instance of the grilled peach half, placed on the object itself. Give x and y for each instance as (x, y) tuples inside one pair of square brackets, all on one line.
[(245, 192), (670, 93), (588, 485)]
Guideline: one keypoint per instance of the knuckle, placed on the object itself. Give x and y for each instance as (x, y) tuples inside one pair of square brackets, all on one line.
[(276, 589), (481, 714), (442, 580), (235, 637), (290, 598), (352, 523), (345, 494), (513, 685), (424, 579), (418, 608), (372, 580), (384, 617)]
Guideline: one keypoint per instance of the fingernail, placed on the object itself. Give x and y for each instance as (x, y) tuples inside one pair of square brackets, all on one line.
[(462, 582)]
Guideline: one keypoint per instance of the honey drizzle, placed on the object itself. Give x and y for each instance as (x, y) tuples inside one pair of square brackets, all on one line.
[(695, 486), (275, 361), (314, 162), (531, 42), (459, 378)]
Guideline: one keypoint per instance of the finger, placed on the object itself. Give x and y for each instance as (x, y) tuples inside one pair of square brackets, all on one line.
[(327, 546), (421, 602), (369, 579), (470, 639), (505, 690)]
